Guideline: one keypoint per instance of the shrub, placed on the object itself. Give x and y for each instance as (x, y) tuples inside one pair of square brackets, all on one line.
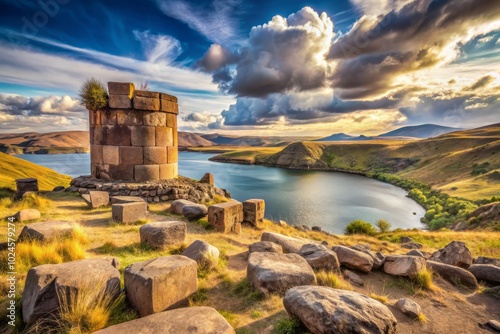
[(92, 94), (360, 227), (289, 326), (383, 225)]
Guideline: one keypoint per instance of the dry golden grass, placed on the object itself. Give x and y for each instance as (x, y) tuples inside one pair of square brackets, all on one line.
[(333, 280), (381, 298)]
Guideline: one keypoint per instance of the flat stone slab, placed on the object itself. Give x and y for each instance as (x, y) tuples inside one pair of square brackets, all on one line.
[(353, 259), (273, 272), (289, 244), (44, 231), (129, 212), (403, 265), (162, 234), (27, 214), (265, 246), (160, 284), (192, 320), (43, 283), (326, 310), (453, 274), (206, 255)]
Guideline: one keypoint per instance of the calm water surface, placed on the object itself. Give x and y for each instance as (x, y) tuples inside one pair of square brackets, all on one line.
[(314, 198)]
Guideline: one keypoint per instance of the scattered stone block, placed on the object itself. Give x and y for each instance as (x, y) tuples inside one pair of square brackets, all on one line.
[(26, 185), (162, 234), (223, 216), (177, 205), (265, 246), (129, 212), (160, 284), (128, 199), (206, 255), (453, 274), (455, 253), (194, 211), (27, 214), (96, 199), (45, 231), (319, 257), (44, 283), (289, 244), (486, 272), (253, 212), (408, 307), (146, 173), (209, 179), (403, 265), (192, 320), (325, 310), (119, 101), (273, 272), (353, 259), (121, 88)]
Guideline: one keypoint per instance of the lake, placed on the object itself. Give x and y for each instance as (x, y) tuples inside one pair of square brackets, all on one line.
[(314, 198)]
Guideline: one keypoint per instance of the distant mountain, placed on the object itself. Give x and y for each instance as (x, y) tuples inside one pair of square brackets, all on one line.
[(188, 139), (420, 131), (343, 137), (228, 140), (53, 142)]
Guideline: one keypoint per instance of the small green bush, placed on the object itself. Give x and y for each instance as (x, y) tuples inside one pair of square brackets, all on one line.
[(289, 326), (93, 94), (383, 225), (360, 227)]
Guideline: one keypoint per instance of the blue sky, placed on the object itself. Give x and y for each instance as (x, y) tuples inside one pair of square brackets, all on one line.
[(260, 68)]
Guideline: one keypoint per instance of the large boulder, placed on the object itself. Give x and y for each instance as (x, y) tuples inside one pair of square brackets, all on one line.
[(289, 244), (273, 272), (177, 205), (46, 283), (27, 214), (194, 211), (163, 234), (377, 261), (487, 260), (455, 253), (45, 231), (403, 265), (160, 284), (325, 310), (95, 198), (353, 259), (486, 272), (408, 307), (319, 257), (192, 320), (453, 274), (265, 246), (206, 255)]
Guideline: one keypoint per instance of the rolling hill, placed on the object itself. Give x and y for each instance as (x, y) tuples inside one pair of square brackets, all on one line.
[(343, 137), (188, 139), (53, 142), (420, 131)]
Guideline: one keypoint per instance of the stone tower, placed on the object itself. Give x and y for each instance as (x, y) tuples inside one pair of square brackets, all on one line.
[(134, 138)]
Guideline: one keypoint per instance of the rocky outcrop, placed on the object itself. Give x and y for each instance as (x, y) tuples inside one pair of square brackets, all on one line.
[(353, 259), (377, 261), (27, 214), (45, 231), (46, 284), (325, 310), (403, 265), (289, 244), (455, 253), (319, 257), (194, 211), (408, 307), (453, 274), (159, 284), (206, 255), (486, 272), (163, 234), (273, 272), (265, 246), (192, 320)]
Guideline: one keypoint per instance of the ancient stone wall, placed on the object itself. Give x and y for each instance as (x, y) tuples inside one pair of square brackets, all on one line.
[(134, 138)]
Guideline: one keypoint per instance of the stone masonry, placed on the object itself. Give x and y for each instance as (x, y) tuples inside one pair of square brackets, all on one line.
[(134, 138)]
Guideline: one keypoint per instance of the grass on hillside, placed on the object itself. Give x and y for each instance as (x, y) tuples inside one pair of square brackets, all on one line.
[(14, 168)]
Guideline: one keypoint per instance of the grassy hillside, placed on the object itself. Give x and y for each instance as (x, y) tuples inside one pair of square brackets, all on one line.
[(14, 168), (52, 142)]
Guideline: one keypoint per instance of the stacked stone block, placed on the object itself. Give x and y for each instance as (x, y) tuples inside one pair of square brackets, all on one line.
[(135, 137)]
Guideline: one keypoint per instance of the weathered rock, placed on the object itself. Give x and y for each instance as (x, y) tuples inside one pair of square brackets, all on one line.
[(377, 262), (194, 211), (316, 228), (25, 186), (44, 283), (494, 324), (253, 212), (408, 307), (289, 244), (319, 257), (192, 320), (415, 252), (46, 230), (27, 214), (206, 255), (487, 260), (129, 212), (58, 188), (273, 272), (208, 178), (163, 234), (353, 259), (177, 205), (223, 216), (265, 246), (405, 240), (403, 265), (325, 310), (412, 245), (486, 272), (95, 198), (455, 253), (353, 277), (453, 274), (159, 284)]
